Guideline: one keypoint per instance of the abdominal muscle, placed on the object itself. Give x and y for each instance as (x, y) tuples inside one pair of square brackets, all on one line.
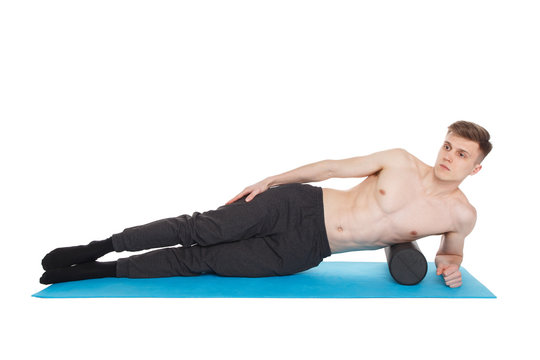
[(350, 225), (386, 208), (354, 219)]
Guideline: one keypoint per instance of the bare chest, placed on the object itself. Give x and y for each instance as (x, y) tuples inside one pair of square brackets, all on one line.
[(404, 213), (381, 211), (401, 211)]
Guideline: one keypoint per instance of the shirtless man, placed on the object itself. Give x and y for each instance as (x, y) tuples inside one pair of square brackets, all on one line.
[(401, 200)]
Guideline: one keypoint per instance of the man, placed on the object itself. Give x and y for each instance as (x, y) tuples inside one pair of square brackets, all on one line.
[(282, 226)]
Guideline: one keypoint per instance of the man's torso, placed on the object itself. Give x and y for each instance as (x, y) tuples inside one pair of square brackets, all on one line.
[(386, 208)]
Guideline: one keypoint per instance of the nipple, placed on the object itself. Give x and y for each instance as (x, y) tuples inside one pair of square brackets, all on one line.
[(382, 192), (414, 233)]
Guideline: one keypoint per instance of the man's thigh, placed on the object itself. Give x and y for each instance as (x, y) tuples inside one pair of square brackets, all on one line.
[(280, 254)]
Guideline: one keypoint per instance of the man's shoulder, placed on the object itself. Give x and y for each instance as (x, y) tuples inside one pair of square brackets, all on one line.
[(463, 202), (465, 212), (395, 154), (399, 157), (398, 153)]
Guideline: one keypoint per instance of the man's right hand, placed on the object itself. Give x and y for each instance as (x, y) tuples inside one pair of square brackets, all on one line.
[(252, 190)]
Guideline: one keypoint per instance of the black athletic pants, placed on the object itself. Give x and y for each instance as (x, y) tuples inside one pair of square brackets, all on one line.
[(280, 232)]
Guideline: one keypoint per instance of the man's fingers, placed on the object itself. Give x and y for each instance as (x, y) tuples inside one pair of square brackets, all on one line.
[(252, 195), (233, 199), (452, 276), (240, 195), (441, 270), (454, 283), (447, 270)]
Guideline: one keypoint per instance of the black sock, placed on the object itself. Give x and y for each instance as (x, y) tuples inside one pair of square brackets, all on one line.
[(66, 256), (90, 270)]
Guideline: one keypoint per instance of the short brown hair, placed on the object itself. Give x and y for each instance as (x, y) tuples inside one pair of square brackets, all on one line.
[(473, 132)]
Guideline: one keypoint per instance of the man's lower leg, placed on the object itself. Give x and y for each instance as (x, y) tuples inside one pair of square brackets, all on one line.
[(90, 270), (66, 256)]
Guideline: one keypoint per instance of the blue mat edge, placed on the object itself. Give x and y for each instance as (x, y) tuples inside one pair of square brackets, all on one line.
[(486, 293)]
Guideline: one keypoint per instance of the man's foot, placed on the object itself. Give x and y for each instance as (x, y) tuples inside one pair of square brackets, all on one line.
[(91, 270), (66, 256)]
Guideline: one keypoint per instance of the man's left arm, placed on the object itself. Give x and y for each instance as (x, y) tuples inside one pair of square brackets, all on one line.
[(450, 254)]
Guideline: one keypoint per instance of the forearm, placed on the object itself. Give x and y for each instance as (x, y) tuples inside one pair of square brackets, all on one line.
[(314, 172), (448, 259)]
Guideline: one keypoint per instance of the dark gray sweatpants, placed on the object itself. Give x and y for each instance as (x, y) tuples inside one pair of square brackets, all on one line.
[(280, 232)]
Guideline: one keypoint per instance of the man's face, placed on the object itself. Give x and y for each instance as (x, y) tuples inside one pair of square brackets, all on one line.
[(457, 159)]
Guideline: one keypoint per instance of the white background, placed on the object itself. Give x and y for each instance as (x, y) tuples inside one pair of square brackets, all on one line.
[(118, 113)]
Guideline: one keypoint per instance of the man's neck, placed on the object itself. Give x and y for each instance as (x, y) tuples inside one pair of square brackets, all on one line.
[(435, 187)]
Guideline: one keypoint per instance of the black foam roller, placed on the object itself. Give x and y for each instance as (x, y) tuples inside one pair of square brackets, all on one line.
[(406, 263)]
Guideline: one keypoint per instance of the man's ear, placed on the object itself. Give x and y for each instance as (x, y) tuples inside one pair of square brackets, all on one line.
[(476, 169)]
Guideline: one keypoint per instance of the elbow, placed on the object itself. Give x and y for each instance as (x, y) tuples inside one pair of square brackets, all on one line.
[(327, 170)]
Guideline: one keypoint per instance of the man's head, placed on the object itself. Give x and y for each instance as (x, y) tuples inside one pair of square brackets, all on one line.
[(464, 148)]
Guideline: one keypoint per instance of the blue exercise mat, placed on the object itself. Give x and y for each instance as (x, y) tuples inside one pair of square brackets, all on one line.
[(328, 280)]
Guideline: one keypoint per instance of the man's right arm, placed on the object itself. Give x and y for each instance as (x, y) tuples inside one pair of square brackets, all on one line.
[(317, 171), (359, 166), (362, 166)]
